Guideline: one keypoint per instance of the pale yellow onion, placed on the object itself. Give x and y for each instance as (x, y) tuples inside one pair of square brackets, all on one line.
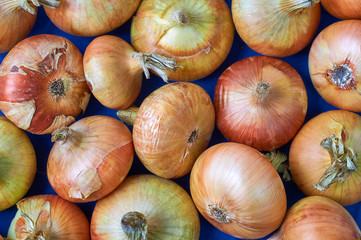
[(91, 17), (198, 34), (344, 9), (114, 70), (172, 127), (168, 209), (43, 217), (17, 163), (238, 190), (335, 62), (315, 218), (90, 158), (277, 28)]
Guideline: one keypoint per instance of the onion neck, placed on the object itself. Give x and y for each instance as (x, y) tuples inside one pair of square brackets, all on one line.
[(262, 91), (343, 162), (128, 115), (278, 160), (218, 213), (135, 226), (28, 5), (158, 63), (296, 6)]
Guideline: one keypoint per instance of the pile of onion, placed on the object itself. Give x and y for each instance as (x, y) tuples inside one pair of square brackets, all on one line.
[(238, 190), (172, 127), (91, 17), (114, 70), (48, 217), (277, 28), (90, 158), (17, 163), (344, 9), (325, 156), (146, 207), (17, 20), (261, 102), (42, 84), (335, 63), (315, 218), (198, 34)]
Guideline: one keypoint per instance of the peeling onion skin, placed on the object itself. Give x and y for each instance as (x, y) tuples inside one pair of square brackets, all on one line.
[(89, 18), (343, 9), (336, 45), (43, 85), (169, 210), (173, 126), (242, 183), (15, 26), (264, 123), (17, 163), (97, 143), (114, 76), (68, 222), (315, 218), (199, 44), (308, 160), (272, 28)]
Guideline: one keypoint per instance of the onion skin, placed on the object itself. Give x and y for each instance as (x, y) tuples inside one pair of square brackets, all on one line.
[(308, 170), (276, 28), (114, 76), (315, 218), (171, 128), (68, 222), (244, 116), (28, 72), (244, 184), (343, 9), (199, 45), (17, 163), (98, 143), (88, 18), (168, 208), (337, 44)]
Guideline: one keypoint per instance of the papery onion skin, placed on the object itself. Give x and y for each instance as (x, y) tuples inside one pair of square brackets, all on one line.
[(244, 116), (97, 143), (68, 222), (114, 76), (43, 84), (343, 9), (173, 126), (315, 218), (17, 163), (308, 160), (168, 208), (276, 28), (199, 40), (241, 182), (336, 45), (88, 18)]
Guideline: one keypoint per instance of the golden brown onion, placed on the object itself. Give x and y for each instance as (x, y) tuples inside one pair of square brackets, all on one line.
[(344, 9)]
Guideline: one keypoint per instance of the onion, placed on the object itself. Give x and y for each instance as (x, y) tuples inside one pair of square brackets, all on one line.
[(315, 218), (146, 207), (198, 34), (335, 62), (48, 217), (17, 20), (238, 190), (114, 70), (252, 101), (90, 158), (91, 17), (277, 28), (42, 84), (344, 9), (171, 128), (331, 142), (17, 164)]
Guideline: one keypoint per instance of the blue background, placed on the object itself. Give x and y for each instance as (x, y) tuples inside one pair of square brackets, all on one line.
[(42, 144)]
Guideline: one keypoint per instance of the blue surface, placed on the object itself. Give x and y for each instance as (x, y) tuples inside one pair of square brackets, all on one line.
[(42, 144)]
